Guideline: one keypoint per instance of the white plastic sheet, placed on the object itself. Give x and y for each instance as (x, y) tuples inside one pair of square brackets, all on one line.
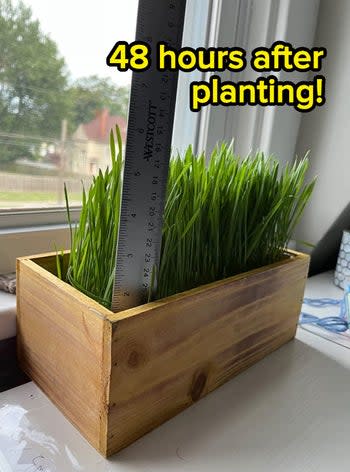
[(34, 436)]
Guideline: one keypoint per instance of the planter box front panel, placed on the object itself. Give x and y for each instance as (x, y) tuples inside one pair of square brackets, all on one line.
[(135, 369), (61, 338)]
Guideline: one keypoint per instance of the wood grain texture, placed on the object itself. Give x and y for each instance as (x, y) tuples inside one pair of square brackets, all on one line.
[(61, 345), (169, 354), (116, 376)]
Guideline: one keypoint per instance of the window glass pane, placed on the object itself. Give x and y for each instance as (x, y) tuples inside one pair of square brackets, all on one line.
[(58, 99)]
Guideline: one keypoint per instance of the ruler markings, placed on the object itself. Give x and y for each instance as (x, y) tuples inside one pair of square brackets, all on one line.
[(147, 153)]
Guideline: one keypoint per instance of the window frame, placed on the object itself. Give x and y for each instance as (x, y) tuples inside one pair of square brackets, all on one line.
[(249, 24), (39, 217), (35, 217), (246, 23)]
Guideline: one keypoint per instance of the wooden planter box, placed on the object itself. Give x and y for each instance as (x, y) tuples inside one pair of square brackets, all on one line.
[(117, 376)]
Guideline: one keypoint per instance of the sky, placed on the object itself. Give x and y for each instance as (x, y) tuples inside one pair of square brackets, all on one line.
[(85, 31)]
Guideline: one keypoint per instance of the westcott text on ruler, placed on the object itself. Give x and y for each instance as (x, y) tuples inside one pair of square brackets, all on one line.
[(147, 154)]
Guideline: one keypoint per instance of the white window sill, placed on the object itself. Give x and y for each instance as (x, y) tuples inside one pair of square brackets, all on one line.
[(7, 315)]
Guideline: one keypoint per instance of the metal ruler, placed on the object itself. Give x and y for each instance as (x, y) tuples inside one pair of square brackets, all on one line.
[(147, 154)]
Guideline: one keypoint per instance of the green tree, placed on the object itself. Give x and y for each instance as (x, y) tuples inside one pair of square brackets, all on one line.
[(89, 94), (33, 79)]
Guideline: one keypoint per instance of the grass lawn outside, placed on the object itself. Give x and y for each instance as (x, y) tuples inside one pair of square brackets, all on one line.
[(30, 199)]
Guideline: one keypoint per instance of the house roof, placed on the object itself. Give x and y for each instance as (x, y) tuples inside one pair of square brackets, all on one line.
[(99, 128)]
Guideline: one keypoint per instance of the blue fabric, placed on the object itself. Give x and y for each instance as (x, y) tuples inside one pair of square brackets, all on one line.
[(335, 324)]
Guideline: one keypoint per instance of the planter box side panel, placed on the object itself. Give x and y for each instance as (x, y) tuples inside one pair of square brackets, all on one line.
[(63, 345), (170, 356)]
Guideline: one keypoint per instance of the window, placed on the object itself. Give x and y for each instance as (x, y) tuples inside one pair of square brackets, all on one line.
[(58, 99)]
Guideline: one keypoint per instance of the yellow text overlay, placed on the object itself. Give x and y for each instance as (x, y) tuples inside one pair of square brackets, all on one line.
[(303, 96)]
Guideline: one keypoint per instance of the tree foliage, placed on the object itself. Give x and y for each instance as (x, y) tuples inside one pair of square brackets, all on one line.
[(33, 77), (36, 92), (89, 94)]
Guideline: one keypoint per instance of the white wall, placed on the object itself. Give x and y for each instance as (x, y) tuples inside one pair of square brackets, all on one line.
[(32, 240), (326, 130)]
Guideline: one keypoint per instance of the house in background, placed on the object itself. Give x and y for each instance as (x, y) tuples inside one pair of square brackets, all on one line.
[(91, 143)]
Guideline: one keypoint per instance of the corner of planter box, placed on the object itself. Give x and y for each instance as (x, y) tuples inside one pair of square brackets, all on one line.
[(168, 354), (64, 345)]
